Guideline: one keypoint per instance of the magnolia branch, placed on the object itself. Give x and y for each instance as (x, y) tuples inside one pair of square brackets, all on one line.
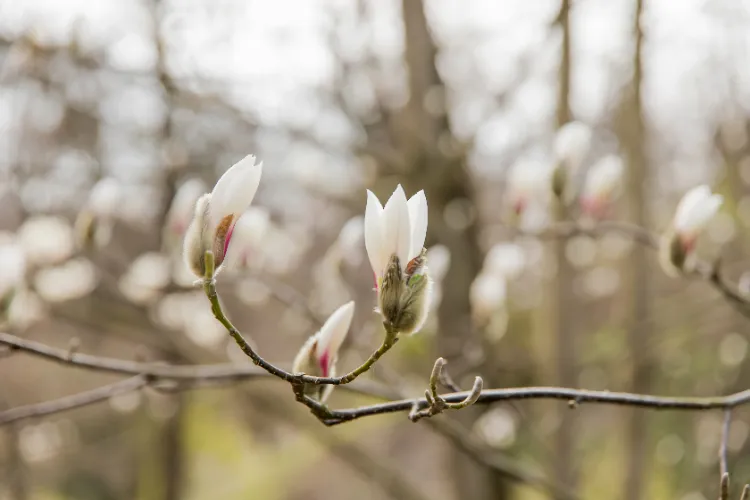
[(71, 402)]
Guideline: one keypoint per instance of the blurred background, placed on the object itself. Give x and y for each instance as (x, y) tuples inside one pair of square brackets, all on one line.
[(115, 115)]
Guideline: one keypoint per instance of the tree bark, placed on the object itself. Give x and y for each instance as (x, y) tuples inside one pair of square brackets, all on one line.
[(564, 304), (632, 135)]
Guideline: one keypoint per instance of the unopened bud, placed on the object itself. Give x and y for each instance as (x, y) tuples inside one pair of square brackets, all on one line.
[(318, 355), (404, 296)]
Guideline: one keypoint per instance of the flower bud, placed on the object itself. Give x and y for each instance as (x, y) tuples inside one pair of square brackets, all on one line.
[(694, 212), (217, 213), (394, 239), (319, 354), (602, 183), (572, 144), (94, 223)]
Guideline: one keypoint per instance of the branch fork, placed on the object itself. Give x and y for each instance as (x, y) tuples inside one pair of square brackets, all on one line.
[(435, 403)]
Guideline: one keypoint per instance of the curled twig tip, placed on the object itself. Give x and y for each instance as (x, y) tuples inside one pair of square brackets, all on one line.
[(745, 492), (724, 486)]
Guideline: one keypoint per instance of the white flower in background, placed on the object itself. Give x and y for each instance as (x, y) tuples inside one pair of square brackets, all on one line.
[(487, 294), (216, 214), (105, 197), (248, 237), (350, 240), (571, 146), (601, 185), (95, 221), (46, 240), (527, 183), (394, 239), (319, 354), (694, 212), (439, 258), (183, 204), (71, 280)]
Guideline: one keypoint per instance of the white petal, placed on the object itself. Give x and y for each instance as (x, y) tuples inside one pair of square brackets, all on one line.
[(396, 227), (418, 223), (235, 190), (374, 234), (334, 331), (688, 203)]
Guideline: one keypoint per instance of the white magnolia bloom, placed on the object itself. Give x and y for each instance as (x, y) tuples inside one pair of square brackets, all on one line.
[(694, 211), (394, 239), (397, 229), (216, 214), (572, 144), (602, 183), (319, 354), (182, 206), (693, 214)]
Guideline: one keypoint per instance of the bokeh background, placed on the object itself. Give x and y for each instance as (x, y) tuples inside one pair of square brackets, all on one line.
[(108, 108)]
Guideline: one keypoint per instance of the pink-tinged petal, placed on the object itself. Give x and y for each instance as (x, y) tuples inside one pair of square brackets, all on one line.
[(334, 331), (325, 364), (374, 234), (228, 238), (396, 226)]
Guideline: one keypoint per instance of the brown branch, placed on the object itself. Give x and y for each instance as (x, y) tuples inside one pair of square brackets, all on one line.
[(74, 401), (203, 374)]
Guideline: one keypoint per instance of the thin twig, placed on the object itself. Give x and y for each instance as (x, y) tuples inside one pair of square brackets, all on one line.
[(703, 271), (204, 374), (209, 287), (74, 401), (436, 403)]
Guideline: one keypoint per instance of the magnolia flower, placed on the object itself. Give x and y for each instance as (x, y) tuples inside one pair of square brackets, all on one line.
[(394, 239), (602, 183), (572, 144), (318, 355), (216, 214), (693, 214)]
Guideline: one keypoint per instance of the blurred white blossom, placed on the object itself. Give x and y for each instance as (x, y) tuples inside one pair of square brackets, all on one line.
[(603, 181), (693, 213), (488, 294), (46, 240), (74, 279)]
